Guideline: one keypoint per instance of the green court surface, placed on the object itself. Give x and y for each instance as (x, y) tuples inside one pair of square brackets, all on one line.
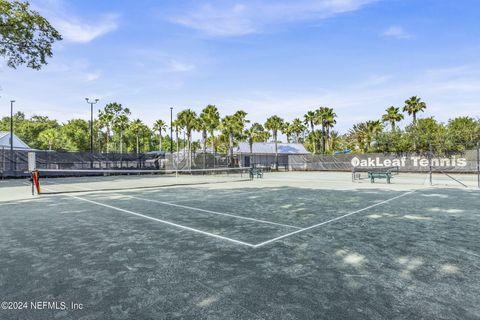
[(289, 246)]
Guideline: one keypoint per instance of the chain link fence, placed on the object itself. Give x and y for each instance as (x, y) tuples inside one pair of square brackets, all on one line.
[(439, 168)]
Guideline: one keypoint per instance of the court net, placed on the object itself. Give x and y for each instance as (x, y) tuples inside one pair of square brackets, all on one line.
[(73, 181)]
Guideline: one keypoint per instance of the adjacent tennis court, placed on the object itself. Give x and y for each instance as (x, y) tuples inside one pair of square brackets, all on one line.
[(307, 245)]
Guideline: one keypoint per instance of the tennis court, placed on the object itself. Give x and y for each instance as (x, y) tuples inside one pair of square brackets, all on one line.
[(293, 245)]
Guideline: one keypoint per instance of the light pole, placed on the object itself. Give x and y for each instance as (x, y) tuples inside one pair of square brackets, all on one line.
[(91, 102), (12, 162), (171, 132)]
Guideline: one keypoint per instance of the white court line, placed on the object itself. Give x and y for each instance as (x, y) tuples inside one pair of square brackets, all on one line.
[(164, 222), (331, 220), (215, 212), (207, 211), (217, 195)]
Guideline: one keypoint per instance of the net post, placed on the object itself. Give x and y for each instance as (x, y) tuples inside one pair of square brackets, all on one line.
[(32, 183)]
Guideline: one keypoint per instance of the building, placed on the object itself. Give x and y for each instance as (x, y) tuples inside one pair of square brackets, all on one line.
[(17, 143), (263, 153)]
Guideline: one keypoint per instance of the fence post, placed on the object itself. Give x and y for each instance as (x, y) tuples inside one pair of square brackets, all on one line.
[(478, 165), (430, 156)]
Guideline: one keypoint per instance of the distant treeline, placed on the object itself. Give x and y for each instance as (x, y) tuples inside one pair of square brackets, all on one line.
[(115, 131)]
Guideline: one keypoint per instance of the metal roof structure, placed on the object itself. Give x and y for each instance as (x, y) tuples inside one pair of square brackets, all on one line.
[(269, 148), (17, 143)]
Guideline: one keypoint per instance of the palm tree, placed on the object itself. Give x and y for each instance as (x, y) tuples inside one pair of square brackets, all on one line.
[(176, 126), (414, 105), (231, 126), (256, 133), (138, 129), (120, 124), (359, 133), (275, 123), (211, 121), (120, 120), (374, 127), (393, 116), (312, 139), (188, 120), (335, 140), (105, 119), (326, 118), (287, 130), (160, 126), (309, 119), (297, 128)]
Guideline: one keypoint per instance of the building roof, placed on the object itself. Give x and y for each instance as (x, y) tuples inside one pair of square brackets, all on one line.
[(269, 148), (17, 143)]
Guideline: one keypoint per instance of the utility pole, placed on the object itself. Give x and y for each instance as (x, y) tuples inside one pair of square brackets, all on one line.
[(91, 102), (12, 161)]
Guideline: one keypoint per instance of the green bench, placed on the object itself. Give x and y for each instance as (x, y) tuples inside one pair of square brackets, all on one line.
[(255, 173), (379, 175)]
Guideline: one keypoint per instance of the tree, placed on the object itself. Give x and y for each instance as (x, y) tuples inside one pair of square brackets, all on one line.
[(188, 120), (359, 135), (116, 116), (336, 140), (414, 105), (105, 119), (326, 118), (50, 138), (160, 126), (463, 133), (138, 129), (176, 127), (274, 124), (74, 135), (120, 124), (374, 127), (256, 133), (25, 36), (211, 121), (312, 140), (309, 119), (297, 128), (287, 130), (427, 133), (233, 126), (393, 116)]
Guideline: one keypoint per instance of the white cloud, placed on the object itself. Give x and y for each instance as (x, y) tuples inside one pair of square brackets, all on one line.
[(229, 18), (72, 28), (76, 31), (397, 32), (177, 66), (92, 76)]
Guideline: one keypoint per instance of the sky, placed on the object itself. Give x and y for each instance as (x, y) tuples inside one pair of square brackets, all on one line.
[(262, 56)]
